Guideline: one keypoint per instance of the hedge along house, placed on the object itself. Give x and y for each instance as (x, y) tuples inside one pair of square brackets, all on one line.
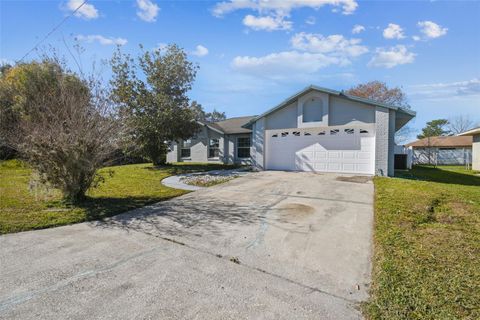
[(442, 150), (316, 129)]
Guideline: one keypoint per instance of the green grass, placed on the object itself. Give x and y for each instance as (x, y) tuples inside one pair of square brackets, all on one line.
[(427, 245), (131, 186)]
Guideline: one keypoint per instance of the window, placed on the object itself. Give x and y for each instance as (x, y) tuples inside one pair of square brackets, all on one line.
[(313, 110), (284, 134), (296, 133), (243, 147), (307, 134), (334, 132), (214, 148), (363, 131), (275, 136), (185, 150), (349, 131), (321, 133)]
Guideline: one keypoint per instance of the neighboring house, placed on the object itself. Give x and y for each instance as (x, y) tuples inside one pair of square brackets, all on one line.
[(448, 150), (475, 135), (316, 129)]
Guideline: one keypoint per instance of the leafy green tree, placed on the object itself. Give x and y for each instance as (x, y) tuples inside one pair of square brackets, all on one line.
[(434, 128), (152, 93), (201, 115), (215, 116)]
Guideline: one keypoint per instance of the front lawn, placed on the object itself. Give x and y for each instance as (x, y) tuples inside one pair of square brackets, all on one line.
[(23, 207), (427, 245)]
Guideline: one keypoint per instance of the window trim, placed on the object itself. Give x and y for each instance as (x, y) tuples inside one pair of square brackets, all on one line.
[(185, 157), (249, 147), (210, 147), (183, 147)]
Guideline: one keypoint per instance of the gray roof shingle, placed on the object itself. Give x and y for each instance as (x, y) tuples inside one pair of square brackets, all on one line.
[(232, 125)]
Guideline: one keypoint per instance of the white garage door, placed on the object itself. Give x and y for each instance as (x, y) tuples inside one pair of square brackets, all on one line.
[(331, 149)]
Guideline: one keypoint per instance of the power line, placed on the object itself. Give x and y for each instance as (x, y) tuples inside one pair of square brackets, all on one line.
[(53, 30)]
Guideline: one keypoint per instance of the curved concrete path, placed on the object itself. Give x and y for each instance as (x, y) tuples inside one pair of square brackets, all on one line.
[(176, 181)]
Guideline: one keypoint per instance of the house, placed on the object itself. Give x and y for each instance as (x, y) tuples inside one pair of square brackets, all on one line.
[(442, 150), (224, 141), (475, 135), (316, 129)]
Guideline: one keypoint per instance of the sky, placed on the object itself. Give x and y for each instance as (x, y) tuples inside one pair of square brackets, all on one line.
[(254, 54)]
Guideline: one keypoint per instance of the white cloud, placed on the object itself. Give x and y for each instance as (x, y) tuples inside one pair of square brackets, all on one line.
[(393, 31), (281, 6), (431, 29), (268, 23), (200, 51), (147, 10), (449, 89), (283, 64), (334, 45), (101, 39), (273, 13), (311, 20), (416, 38), (311, 52), (358, 28), (87, 11), (389, 58)]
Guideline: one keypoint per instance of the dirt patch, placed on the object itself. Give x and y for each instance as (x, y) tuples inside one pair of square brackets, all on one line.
[(356, 179), (295, 210)]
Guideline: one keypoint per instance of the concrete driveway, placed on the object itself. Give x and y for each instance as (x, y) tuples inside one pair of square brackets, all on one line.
[(269, 245)]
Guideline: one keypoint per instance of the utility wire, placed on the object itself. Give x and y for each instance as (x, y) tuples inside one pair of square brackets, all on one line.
[(53, 30)]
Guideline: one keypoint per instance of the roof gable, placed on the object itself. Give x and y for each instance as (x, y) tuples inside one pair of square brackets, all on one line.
[(334, 93)]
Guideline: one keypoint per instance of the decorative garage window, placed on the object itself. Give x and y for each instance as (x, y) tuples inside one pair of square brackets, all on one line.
[(349, 131), (321, 133), (275, 136), (334, 132), (214, 148), (363, 131), (296, 133), (307, 134), (185, 150), (284, 134), (243, 147)]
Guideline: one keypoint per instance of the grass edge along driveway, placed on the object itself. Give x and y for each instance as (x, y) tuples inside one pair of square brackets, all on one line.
[(427, 245), (27, 206)]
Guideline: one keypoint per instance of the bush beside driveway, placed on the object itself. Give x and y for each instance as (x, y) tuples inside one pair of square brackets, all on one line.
[(24, 206), (427, 245)]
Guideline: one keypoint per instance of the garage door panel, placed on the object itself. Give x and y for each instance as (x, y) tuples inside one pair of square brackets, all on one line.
[(341, 152), (334, 166), (348, 155), (319, 155)]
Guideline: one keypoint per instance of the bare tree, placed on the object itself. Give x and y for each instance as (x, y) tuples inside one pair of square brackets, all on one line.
[(459, 124), (66, 128), (379, 91)]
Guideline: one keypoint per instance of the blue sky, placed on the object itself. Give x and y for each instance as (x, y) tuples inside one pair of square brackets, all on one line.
[(254, 54)]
